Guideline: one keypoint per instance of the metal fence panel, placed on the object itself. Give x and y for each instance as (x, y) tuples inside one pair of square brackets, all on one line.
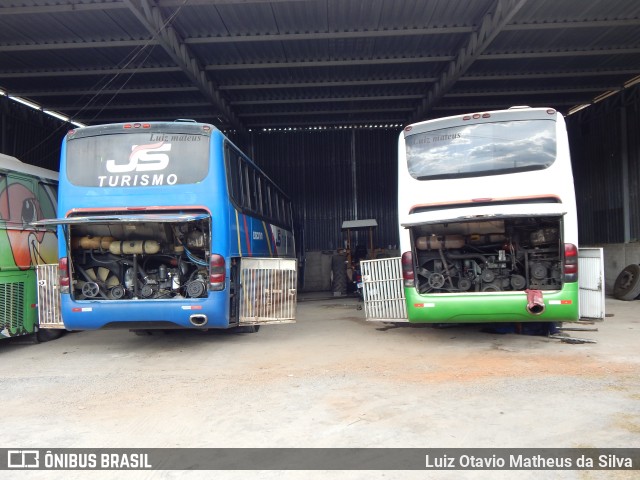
[(49, 315), (268, 290), (591, 280), (383, 290)]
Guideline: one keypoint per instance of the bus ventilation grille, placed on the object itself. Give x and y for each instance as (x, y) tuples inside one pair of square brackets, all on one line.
[(12, 306)]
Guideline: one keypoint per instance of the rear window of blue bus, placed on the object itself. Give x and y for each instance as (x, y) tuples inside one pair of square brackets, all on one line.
[(137, 159)]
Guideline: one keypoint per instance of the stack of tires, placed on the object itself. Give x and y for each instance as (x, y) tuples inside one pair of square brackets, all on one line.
[(627, 285), (339, 275)]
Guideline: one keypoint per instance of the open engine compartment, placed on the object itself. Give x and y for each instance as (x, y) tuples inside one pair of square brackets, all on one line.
[(140, 257), (512, 254)]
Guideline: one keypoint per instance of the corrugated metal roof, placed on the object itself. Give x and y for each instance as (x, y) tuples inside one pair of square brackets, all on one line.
[(250, 64)]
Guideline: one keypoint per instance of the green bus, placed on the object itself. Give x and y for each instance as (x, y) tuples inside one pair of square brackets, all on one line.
[(27, 193)]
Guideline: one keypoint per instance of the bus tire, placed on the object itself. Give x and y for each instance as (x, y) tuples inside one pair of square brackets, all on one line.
[(627, 285), (339, 274), (245, 329), (46, 334)]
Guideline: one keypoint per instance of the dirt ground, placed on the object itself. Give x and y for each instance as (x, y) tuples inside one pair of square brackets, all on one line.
[(330, 380)]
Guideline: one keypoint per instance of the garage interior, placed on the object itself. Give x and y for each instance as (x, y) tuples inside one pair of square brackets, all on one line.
[(317, 91)]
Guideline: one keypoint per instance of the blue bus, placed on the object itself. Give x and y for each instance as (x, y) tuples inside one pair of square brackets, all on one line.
[(167, 225)]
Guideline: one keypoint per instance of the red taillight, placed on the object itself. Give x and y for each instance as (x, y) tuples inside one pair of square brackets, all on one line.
[(407, 269), (63, 275), (570, 262), (217, 272)]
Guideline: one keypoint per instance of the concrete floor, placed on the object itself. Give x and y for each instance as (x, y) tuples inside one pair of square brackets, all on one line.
[(330, 380)]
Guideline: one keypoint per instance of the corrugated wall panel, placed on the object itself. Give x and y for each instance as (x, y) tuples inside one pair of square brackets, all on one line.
[(314, 169), (597, 171), (601, 137), (376, 156), (633, 153), (332, 176), (29, 135)]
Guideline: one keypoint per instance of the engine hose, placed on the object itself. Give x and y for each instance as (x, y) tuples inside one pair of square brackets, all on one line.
[(111, 258), (135, 275)]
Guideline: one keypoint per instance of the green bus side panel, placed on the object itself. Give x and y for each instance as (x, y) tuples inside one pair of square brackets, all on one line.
[(18, 315), (491, 307)]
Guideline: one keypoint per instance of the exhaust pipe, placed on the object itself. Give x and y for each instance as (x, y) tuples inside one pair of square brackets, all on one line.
[(535, 303), (198, 320)]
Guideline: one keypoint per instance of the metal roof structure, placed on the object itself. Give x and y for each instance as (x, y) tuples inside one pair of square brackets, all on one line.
[(256, 64)]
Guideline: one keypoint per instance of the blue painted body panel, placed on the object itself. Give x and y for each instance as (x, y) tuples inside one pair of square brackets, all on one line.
[(92, 314)]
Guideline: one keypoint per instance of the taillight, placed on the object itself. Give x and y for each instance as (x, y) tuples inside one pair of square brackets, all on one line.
[(217, 272), (570, 262), (407, 269), (63, 275)]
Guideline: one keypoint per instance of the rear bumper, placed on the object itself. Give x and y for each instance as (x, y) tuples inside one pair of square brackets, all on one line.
[(169, 313), (491, 307)]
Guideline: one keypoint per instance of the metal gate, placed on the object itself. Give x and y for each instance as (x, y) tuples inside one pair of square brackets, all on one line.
[(383, 290), (48, 297), (591, 282), (268, 290)]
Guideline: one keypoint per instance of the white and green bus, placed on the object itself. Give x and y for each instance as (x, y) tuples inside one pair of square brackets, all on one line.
[(488, 221), (488, 226)]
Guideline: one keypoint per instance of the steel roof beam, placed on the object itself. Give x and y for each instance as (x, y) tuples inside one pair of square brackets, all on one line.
[(63, 93), (344, 35), (613, 23), (328, 84), (483, 107), (324, 124), (492, 23), (527, 76), (149, 15), (347, 62), (68, 7), (406, 32), (559, 53), (128, 106), (538, 91), (119, 4), (32, 47), (325, 100), (324, 112), (154, 117), (79, 73)]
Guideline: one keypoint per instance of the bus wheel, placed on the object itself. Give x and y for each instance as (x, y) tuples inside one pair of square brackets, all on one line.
[(46, 334), (246, 329), (627, 285)]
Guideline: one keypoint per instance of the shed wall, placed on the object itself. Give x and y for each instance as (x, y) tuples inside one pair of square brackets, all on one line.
[(29, 135), (332, 176), (605, 151)]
